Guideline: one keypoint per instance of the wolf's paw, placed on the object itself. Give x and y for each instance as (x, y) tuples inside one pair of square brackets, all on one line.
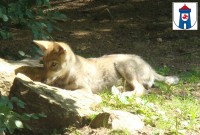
[(97, 98), (136, 92), (172, 80), (139, 92), (128, 94)]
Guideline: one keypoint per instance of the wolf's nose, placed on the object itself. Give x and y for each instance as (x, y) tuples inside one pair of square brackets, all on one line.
[(44, 80)]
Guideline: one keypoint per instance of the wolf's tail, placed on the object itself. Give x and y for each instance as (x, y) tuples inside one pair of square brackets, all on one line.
[(167, 79)]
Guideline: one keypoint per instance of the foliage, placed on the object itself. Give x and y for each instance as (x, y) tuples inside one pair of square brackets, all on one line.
[(10, 120), (32, 14)]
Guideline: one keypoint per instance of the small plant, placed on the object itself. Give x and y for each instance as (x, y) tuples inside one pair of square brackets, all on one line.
[(10, 120), (164, 70)]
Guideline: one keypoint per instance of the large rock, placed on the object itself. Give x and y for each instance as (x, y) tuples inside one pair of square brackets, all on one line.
[(63, 108), (7, 76), (8, 70)]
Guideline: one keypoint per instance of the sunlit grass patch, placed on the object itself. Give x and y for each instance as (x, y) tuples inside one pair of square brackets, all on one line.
[(174, 114), (173, 110), (191, 76)]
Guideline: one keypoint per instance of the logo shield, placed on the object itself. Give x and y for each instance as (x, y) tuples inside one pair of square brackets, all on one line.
[(185, 16)]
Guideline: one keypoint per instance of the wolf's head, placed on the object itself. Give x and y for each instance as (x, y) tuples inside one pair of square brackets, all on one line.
[(57, 59)]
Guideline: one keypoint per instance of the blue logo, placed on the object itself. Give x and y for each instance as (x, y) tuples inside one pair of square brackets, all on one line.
[(185, 16)]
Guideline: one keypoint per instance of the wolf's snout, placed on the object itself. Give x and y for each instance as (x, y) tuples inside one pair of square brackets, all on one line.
[(44, 81)]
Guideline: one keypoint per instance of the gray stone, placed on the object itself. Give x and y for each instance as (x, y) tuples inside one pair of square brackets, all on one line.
[(63, 107), (118, 120), (125, 121)]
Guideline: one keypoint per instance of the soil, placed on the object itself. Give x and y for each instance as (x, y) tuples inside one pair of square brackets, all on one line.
[(98, 27)]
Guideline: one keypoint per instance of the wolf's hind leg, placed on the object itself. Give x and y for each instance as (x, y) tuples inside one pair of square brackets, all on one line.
[(127, 71), (139, 90)]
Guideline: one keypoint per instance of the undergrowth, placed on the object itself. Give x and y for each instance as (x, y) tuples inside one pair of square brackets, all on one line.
[(11, 120)]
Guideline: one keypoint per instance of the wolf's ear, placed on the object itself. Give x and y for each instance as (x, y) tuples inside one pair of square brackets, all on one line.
[(59, 47), (44, 45)]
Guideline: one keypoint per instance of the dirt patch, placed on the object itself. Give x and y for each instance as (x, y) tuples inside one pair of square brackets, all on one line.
[(86, 130)]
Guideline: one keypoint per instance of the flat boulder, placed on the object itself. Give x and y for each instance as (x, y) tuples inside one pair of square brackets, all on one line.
[(62, 107)]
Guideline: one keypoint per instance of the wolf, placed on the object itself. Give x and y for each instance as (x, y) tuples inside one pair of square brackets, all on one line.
[(64, 69)]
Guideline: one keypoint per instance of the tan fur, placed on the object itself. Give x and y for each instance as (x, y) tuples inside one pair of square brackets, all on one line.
[(64, 69)]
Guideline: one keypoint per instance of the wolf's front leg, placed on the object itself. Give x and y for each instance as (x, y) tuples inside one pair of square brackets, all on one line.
[(84, 88)]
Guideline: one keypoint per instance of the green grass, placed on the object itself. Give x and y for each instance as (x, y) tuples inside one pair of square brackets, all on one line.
[(174, 110), (168, 110), (191, 76), (119, 132)]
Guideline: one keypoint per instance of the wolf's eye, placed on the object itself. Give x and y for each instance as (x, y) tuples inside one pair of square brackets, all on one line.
[(53, 65)]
